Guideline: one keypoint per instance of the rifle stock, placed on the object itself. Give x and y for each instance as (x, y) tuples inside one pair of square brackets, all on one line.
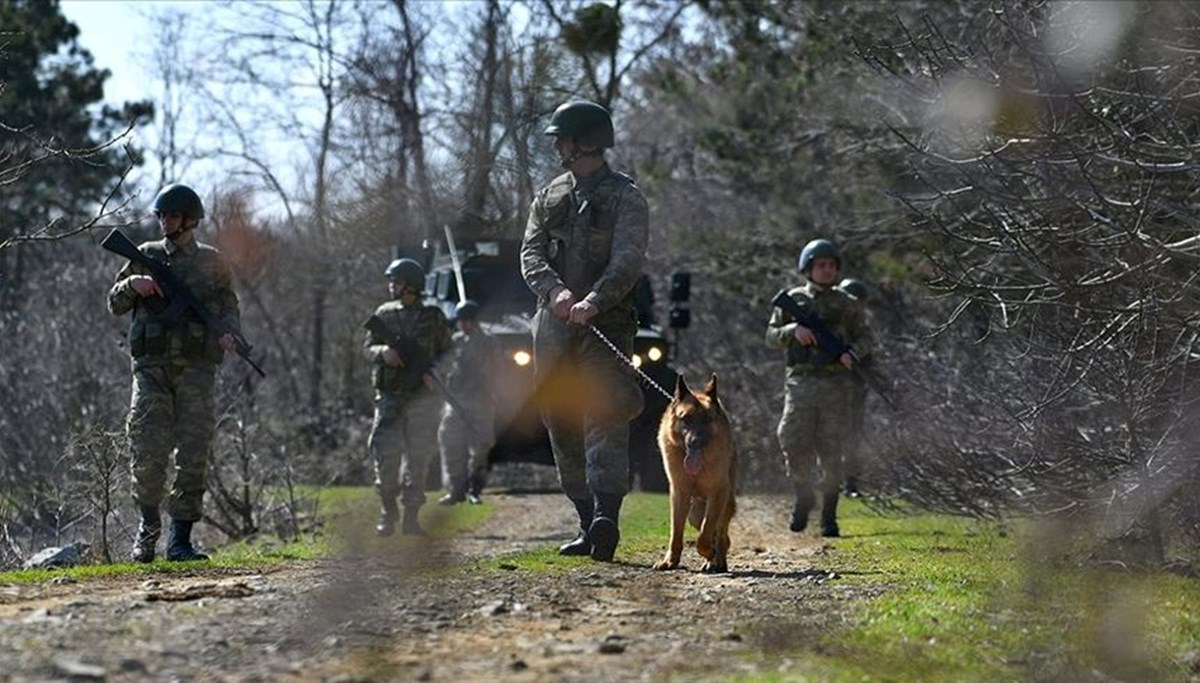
[(175, 290)]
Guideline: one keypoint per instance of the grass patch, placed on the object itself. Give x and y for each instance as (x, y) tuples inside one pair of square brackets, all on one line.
[(971, 600), (345, 512)]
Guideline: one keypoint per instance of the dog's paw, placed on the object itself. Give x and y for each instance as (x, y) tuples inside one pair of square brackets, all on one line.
[(711, 567), (665, 564)]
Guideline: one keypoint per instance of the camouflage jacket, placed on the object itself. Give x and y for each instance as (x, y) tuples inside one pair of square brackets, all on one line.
[(840, 312), (426, 325), (588, 234), (472, 367), (159, 335)]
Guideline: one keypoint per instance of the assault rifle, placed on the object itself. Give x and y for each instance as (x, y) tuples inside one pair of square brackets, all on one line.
[(829, 342), (417, 364), (179, 297)]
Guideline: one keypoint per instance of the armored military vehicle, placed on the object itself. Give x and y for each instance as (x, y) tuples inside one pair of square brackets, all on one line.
[(491, 275)]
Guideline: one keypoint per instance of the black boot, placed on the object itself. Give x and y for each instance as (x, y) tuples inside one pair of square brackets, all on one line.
[(149, 530), (829, 527), (852, 485), (604, 531), (179, 546), (409, 526), (475, 489), (804, 504), (582, 545), (388, 515)]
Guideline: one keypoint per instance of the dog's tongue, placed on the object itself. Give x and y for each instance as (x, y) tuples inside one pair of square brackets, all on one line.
[(693, 460)]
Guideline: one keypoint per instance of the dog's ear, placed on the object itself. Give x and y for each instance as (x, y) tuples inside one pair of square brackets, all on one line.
[(710, 388), (681, 388)]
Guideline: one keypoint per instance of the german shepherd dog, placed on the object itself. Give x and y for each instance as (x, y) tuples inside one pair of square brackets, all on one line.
[(701, 463)]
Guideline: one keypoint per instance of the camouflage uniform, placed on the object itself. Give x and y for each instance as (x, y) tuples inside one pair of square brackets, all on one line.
[(403, 436), (818, 413), (465, 448), (588, 234), (175, 356)]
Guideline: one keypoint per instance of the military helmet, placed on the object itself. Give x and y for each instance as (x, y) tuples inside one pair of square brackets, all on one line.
[(466, 310), (855, 288), (586, 121), (178, 198), (406, 271), (818, 249)]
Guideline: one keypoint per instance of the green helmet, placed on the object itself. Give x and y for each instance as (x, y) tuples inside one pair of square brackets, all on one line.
[(177, 198), (586, 121), (818, 249), (408, 272), (855, 288), (466, 310)]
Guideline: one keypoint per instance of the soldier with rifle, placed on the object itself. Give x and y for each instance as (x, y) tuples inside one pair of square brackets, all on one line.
[(403, 339), (184, 319), (823, 333)]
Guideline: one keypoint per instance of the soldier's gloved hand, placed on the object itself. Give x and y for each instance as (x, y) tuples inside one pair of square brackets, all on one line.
[(561, 301), (805, 336), (392, 359), (144, 285), (846, 360), (583, 312), (228, 343)]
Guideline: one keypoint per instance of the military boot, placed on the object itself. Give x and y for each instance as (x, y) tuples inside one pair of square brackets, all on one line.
[(804, 504), (149, 530), (179, 546), (852, 485), (409, 526), (582, 545), (388, 515), (604, 531), (829, 527), (475, 489)]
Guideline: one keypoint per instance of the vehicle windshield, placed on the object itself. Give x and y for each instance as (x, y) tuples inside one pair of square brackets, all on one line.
[(499, 289)]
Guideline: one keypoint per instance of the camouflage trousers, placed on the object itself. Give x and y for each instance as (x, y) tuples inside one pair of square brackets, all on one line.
[(403, 442), (853, 454), (587, 398), (171, 410), (464, 447), (817, 427)]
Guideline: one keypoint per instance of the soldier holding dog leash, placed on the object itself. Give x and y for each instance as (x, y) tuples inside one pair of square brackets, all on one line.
[(582, 254)]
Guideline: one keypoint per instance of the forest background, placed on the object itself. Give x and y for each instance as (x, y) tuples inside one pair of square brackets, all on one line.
[(1014, 180)]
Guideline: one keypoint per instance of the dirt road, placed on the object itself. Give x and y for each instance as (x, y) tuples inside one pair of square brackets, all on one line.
[(421, 613)]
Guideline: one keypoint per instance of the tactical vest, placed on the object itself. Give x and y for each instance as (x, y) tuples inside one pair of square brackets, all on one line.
[(413, 322), (581, 225), (811, 358), (165, 330)]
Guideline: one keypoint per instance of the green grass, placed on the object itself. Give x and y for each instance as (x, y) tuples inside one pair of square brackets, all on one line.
[(348, 513), (971, 601)]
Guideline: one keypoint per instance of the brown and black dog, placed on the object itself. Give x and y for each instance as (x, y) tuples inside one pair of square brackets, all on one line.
[(701, 463)]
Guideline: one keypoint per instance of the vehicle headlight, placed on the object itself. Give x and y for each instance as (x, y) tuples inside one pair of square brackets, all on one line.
[(637, 361), (522, 358), (655, 354)]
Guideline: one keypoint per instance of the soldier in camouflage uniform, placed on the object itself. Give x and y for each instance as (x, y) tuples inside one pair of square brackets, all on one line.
[(818, 408), (584, 246), (403, 436), (853, 454), (175, 357), (465, 438)]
